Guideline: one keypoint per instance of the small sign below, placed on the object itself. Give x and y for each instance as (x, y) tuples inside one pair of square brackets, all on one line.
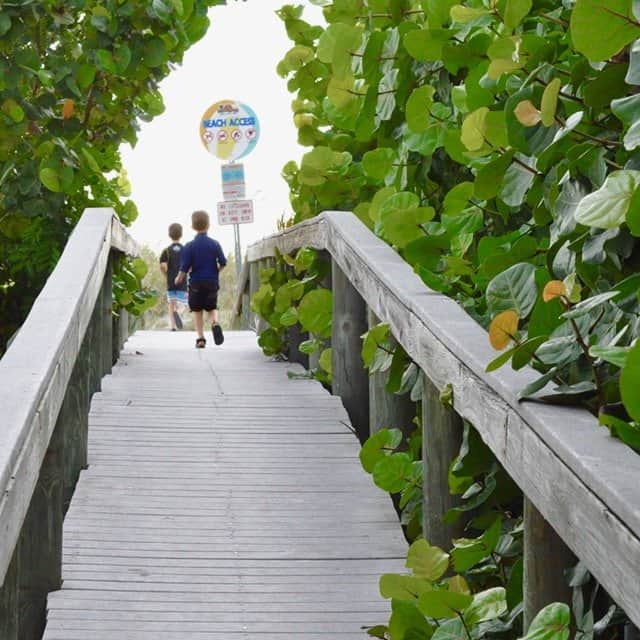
[(233, 185), (235, 212)]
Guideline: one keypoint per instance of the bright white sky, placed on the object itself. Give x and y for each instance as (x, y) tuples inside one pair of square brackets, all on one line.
[(171, 172)]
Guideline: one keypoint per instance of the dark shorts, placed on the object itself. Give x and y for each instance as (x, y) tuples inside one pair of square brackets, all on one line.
[(203, 296)]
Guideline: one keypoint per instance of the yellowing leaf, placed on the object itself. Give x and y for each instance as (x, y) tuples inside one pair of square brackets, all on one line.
[(474, 128), (527, 113), (502, 329), (550, 102), (554, 289), (68, 108)]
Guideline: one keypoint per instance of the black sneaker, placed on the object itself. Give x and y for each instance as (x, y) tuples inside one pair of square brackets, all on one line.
[(201, 343), (178, 319), (218, 336)]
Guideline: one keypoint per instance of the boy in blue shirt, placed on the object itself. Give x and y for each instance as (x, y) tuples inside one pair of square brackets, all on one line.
[(202, 259)]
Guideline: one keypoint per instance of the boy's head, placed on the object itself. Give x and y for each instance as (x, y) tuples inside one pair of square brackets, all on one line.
[(200, 221), (175, 231)]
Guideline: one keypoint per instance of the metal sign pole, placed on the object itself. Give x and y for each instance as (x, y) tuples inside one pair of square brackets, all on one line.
[(236, 235)]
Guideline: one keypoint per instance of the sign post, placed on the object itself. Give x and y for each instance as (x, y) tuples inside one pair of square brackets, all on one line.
[(230, 130)]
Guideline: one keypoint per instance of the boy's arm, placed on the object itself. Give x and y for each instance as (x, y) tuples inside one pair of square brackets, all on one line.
[(185, 264), (222, 261), (164, 261)]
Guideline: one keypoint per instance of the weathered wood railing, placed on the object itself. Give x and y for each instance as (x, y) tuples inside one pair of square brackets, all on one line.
[(56, 362), (580, 485)]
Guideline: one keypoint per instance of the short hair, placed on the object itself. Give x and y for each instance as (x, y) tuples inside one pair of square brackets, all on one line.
[(175, 231), (200, 220)]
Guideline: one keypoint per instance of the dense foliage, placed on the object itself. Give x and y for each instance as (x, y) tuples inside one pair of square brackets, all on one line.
[(76, 78), (494, 144)]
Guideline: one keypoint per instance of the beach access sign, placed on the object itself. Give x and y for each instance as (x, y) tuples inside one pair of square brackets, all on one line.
[(229, 130), (235, 212)]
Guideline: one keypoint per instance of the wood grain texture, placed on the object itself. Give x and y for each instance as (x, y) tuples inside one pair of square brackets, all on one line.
[(222, 500), (350, 380), (582, 481), (35, 370), (545, 559), (441, 440)]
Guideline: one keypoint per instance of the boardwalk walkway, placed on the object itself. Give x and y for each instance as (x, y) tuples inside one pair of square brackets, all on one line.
[(223, 500)]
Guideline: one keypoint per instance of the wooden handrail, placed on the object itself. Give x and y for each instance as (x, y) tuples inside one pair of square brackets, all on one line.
[(580, 479), (36, 369)]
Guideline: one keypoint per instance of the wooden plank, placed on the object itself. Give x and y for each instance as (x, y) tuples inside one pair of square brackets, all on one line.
[(224, 516), (582, 480)]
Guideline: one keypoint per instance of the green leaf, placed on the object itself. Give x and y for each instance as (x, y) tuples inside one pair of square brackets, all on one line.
[(468, 552), (325, 361), (315, 311), (525, 351), (289, 317), (462, 14), (426, 44), (399, 587), (607, 207), (616, 356), (426, 561), (612, 20), (515, 11), (392, 472), (550, 102), (11, 108), (451, 630), (418, 109), (514, 289), (377, 446), (489, 178), (378, 163), (486, 605), (309, 347), (630, 383), (375, 336), (50, 179), (586, 306), (474, 129), (628, 433), (155, 52), (407, 619), (552, 623), (443, 604)]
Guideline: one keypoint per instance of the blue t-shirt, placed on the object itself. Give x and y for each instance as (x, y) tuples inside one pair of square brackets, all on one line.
[(203, 256)]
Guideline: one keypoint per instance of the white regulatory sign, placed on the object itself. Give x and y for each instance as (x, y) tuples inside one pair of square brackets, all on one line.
[(235, 212)]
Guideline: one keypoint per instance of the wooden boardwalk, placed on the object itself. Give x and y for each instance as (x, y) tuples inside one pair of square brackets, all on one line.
[(223, 500)]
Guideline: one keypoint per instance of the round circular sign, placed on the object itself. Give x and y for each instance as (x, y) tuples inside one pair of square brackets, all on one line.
[(229, 130)]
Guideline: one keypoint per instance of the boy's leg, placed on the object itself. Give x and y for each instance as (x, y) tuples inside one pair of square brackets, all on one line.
[(198, 321), (172, 309)]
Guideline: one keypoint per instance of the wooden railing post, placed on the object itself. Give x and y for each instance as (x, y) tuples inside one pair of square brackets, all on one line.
[(350, 379), (40, 546), (9, 601), (106, 321), (441, 440), (387, 410), (254, 285), (74, 415), (546, 557)]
